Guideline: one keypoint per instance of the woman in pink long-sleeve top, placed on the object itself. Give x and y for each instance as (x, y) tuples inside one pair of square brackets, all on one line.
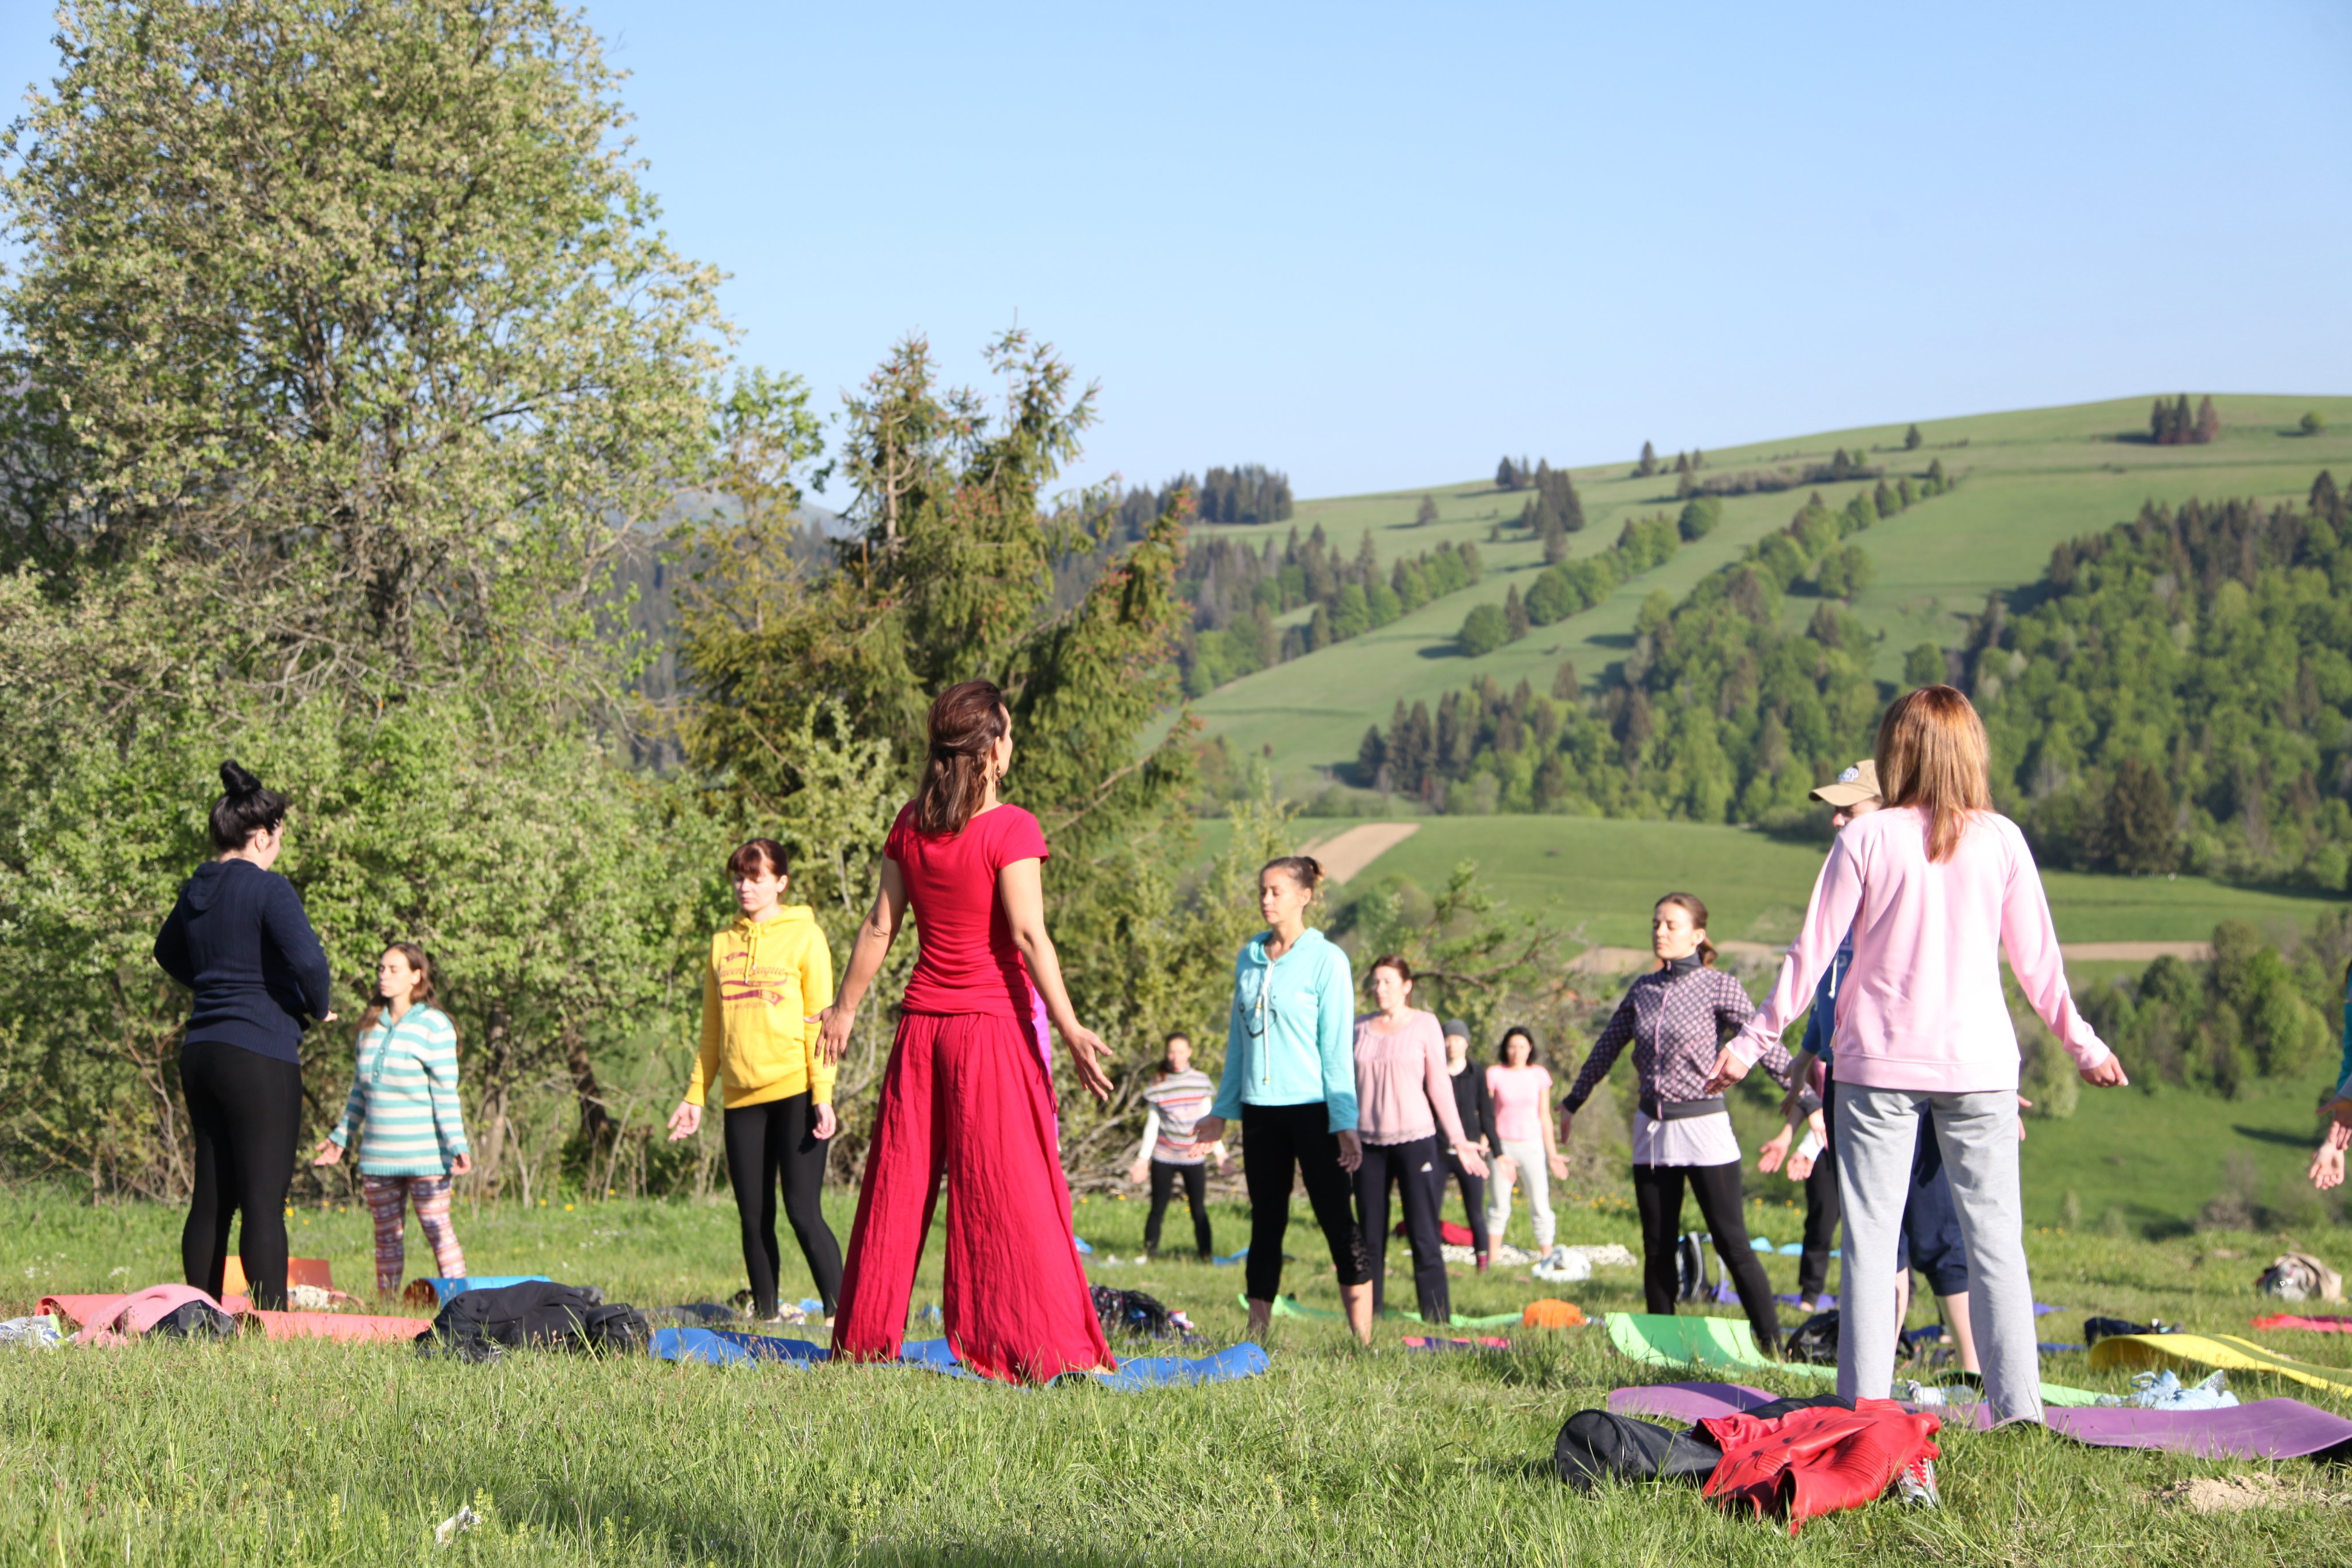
[(1934, 886), (1404, 1097)]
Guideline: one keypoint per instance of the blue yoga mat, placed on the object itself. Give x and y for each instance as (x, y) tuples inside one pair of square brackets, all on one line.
[(726, 1347), (445, 1289)]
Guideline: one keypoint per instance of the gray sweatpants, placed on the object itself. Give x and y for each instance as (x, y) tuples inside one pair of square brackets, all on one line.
[(1876, 1133)]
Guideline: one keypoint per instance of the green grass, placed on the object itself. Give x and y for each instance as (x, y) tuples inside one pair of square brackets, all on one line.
[(2032, 478), (1602, 876), (317, 1453)]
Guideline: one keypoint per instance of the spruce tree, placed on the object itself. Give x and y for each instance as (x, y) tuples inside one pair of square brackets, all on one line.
[(1912, 439), (1514, 615), (1555, 538), (1564, 683), (2209, 422), (1649, 463), (1425, 514)]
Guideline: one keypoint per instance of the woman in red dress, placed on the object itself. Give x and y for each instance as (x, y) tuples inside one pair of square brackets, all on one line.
[(969, 1094)]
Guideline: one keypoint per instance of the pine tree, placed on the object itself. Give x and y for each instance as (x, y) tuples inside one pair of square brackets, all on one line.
[(1649, 463), (1424, 515), (1555, 538), (1912, 439), (1514, 615), (2134, 834), (1563, 681), (1507, 477), (2209, 422), (1682, 463)]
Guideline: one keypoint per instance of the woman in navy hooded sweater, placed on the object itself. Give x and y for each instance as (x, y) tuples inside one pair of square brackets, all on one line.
[(239, 940)]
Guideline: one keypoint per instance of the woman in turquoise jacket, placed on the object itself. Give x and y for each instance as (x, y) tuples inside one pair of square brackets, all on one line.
[(1291, 1078)]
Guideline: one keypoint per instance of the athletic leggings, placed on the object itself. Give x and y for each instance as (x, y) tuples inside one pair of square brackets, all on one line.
[(387, 1199), (1821, 1227), (1418, 1169), (1474, 1202), (1658, 1193), (1277, 1140), (1164, 1177), (246, 1110), (767, 1145)]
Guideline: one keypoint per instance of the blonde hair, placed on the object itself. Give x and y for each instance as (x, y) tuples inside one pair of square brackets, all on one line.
[(1932, 755)]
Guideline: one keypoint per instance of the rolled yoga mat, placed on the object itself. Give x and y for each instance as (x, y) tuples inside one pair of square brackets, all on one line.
[(2225, 1351)]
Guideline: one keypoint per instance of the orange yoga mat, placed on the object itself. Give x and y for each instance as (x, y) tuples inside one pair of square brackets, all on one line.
[(334, 1326), (299, 1271)]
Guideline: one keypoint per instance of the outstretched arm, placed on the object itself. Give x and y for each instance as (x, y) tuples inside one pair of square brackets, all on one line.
[(1022, 887), (875, 935)]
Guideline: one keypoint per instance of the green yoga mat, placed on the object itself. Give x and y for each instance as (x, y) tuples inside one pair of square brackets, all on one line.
[(1492, 1321), (1288, 1307), (1728, 1343)]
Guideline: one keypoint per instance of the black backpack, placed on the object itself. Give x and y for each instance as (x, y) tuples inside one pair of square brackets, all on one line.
[(1132, 1313), (1597, 1446), (482, 1325), (1815, 1341), (196, 1320), (1691, 1281)]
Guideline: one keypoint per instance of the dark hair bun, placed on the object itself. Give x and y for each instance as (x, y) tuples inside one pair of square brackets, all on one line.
[(235, 781)]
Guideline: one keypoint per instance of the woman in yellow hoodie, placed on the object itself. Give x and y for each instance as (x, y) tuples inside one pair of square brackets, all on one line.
[(769, 974)]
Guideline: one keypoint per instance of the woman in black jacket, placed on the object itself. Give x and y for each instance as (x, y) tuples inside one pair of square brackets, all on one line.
[(239, 940), (1477, 1107)]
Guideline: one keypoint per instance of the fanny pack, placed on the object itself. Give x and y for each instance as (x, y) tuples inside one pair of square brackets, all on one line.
[(1680, 1109)]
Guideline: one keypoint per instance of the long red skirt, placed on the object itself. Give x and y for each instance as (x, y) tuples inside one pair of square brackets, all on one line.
[(966, 1097)]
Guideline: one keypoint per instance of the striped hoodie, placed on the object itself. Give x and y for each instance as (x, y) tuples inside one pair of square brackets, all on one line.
[(405, 1087)]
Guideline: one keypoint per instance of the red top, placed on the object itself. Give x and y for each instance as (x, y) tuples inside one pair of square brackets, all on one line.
[(967, 962)]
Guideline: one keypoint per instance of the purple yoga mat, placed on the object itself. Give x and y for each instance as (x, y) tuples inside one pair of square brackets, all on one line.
[(2266, 1429), (1687, 1401)]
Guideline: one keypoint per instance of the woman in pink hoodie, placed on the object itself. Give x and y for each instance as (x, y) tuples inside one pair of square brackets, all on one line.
[(1935, 887)]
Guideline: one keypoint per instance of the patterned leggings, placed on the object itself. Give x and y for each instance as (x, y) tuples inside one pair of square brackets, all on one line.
[(387, 1197)]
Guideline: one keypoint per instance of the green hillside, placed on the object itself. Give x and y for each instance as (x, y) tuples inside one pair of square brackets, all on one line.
[(2028, 480)]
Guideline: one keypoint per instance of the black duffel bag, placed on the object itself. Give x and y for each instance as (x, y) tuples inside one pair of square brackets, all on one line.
[(482, 1325)]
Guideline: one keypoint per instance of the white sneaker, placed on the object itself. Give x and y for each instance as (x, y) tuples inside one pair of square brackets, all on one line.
[(1916, 1484)]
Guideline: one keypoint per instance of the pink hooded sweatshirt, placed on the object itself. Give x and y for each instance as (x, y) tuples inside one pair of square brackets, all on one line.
[(1921, 1007)]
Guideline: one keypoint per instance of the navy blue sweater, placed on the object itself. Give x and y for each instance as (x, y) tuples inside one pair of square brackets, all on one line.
[(239, 940)]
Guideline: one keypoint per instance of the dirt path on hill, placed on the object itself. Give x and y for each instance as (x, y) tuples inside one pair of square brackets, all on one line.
[(1344, 856)]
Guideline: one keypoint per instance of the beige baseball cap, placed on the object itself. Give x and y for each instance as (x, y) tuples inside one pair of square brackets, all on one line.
[(1858, 783)]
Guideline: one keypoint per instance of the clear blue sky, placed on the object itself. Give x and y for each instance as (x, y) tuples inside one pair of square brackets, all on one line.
[(1379, 246)]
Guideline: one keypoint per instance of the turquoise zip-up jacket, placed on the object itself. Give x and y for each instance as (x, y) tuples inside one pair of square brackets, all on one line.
[(1290, 1039)]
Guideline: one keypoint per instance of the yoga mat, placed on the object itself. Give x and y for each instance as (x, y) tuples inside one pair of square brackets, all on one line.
[(2266, 1429), (721, 1347), (1663, 1340), (1691, 1402), (1244, 1359), (2329, 1323), (350, 1326), (2214, 1349), (1424, 1343), (445, 1289), (76, 1311), (1288, 1307)]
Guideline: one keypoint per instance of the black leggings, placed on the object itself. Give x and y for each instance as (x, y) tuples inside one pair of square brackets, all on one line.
[(1417, 1168), (1277, 1140), (766, 1142), (1658, 1193), (1821, 1227), (246, 1110), (1474, 1202), (1164, 1177)]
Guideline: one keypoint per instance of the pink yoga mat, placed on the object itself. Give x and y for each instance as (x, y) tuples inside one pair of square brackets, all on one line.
[(334, 1326), (2266, 1429)]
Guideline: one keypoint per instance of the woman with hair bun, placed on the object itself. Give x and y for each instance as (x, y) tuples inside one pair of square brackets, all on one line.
[(969, 1093), (239, 940), (1676, 1017), (767, 974), (1290, 1079)]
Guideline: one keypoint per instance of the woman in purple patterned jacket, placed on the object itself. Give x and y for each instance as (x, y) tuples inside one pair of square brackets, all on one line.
[(1678, 1017)]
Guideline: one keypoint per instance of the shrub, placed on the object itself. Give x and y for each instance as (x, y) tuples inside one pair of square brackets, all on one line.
[(1483, 630)]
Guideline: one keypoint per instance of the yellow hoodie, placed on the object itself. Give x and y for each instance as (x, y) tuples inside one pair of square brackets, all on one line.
[(762, 984)]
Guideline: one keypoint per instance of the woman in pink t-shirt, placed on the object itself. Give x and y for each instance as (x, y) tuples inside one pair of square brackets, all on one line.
[(969, 1093), (1521, 1090)]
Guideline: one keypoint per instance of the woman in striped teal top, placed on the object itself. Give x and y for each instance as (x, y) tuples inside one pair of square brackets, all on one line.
[(404, 1091)]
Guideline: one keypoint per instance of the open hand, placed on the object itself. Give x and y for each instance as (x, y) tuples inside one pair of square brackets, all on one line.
[(1559, 1163), (832, 1034), (1087, 1051), (1775, 1151), (1138, 1172), (685, 1120), (1800, 1167), (2327, 1166), (330, 1154), (1467, 1154)]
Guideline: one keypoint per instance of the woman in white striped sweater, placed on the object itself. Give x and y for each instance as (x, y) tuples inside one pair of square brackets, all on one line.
[(404, 1090)]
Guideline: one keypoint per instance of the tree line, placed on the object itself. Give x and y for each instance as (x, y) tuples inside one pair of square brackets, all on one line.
[(1569, 587), (1720, 715), (1237, 593), (2170, 424), (2256, 1012), (2176, 693)]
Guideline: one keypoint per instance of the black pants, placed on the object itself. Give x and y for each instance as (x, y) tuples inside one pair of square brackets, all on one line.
[(1821, 1227), (1277, 1140), (1164, 1177), (765, 1145), (246, 1110), (1418, 1169), (1473, 1202), (1658, 1193)]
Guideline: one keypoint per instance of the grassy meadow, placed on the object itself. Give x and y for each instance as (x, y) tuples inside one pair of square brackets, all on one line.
[(2030, 478), (317, 1453)]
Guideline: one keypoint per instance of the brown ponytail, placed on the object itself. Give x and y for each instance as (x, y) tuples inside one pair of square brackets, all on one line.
[(1691, 905), (1303, 870), (966, 722)]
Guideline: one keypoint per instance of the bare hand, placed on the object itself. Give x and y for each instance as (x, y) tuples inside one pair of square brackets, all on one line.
[(1728, 1069), (832, 1032), (1468, 1156), (2342, 1111), (828, 1124), (1800, 1167), (331, 1016), (1567, 1124), (1559, 1163), (2327, 1166), (685, 1120), (2023, 1105), (1137, 1172), (1770, 1157), (1209, 1130), (1351, 1152), (463, 1166), (2109, 1074), (1087, 1052), (2340, 1135), (330, 1154)]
